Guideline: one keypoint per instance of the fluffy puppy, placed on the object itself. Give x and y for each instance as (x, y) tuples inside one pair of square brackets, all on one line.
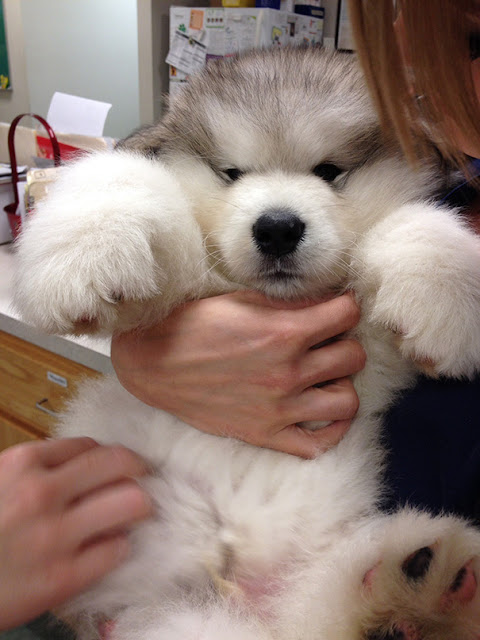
[(268, 172)]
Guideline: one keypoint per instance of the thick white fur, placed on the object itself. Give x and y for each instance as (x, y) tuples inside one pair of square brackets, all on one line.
[(251, 543)]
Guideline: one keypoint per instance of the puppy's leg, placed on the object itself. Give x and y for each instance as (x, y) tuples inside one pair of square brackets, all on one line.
[(114, 245), (421, 278), (423, 584), (210, 621)]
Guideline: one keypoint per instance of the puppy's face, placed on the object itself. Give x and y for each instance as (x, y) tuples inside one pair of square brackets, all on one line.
[(269, 148), (273, 143), (280, 232)]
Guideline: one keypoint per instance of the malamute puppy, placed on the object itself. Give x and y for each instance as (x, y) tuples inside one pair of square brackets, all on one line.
[(268, 172)]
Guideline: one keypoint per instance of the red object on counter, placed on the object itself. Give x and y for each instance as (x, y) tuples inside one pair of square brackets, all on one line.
[(11, 210)]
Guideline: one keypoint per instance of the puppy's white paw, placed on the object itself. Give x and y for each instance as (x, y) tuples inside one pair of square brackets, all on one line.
[(425, 266), (424, 585), (100, 245), (83, 283)]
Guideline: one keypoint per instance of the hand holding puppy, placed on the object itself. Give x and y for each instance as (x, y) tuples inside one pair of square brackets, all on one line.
[(243, 366), (65, 506)]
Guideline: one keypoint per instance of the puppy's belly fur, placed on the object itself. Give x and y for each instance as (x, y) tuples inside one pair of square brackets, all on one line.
[(233, 514)]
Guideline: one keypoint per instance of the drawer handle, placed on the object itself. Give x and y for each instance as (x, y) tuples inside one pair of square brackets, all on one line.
[(51, 412)]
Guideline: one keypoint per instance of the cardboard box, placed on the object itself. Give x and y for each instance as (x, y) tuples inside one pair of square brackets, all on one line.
[(25, 144), (71, 145)]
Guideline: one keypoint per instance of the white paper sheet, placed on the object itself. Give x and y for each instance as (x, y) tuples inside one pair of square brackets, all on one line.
[(72, 114), (186, 53)]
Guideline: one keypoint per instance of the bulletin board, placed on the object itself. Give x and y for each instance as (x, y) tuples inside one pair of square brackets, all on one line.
[(4, 68)]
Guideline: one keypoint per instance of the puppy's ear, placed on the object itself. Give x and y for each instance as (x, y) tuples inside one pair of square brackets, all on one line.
[(146, 140)]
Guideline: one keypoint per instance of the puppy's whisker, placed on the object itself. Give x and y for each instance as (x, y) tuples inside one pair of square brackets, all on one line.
[(230, 204)]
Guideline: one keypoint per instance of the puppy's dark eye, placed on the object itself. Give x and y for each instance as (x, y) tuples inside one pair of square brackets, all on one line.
[(327, 171), (233, 174)]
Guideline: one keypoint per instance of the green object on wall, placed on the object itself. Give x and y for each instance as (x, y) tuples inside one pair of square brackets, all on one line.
[(4, 69)]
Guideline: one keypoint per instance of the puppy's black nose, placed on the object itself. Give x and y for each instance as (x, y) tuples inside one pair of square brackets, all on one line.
[(278, 232)]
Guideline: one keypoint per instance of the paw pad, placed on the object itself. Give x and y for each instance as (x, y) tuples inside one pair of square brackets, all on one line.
[(399, 632), (417, 565), (116, 298), (462, 590), (459, 580)]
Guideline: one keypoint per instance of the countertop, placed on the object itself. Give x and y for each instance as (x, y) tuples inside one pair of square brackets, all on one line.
[(91, 352)]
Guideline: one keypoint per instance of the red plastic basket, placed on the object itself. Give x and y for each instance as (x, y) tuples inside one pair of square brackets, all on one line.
[(11, 210)]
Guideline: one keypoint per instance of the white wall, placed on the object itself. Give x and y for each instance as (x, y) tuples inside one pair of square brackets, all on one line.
[(83, 47), (14, 102)]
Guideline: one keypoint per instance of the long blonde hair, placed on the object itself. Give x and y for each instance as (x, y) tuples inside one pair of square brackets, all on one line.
[(428, 81)]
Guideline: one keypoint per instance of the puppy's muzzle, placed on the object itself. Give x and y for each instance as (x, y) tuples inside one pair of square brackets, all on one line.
[(278, 232)]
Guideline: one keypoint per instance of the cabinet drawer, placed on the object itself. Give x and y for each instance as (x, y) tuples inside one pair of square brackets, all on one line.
[(12, 433), (35, 383)]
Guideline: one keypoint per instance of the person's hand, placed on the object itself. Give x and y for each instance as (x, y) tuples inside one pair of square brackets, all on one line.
[(241, 365), (65, 506)]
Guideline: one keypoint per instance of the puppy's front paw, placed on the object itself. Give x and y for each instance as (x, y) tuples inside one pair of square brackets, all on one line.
[(80, 284), (426, 271), (101, 245)]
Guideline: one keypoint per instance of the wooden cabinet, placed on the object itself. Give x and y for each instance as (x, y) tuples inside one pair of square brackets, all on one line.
[(34, 386), (12, 432)]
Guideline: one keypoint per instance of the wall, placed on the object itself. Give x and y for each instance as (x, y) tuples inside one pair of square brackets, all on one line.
[(153, 29), (18, 101), (83, 47)]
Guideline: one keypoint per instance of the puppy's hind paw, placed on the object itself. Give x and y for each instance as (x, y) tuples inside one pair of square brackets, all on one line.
[(431, 593)]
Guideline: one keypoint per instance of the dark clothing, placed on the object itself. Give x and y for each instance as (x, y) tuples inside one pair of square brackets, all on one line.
[(433, 439)]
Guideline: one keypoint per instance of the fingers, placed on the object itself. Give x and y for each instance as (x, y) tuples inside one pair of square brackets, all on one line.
[(31, 462), (337, 400), (72, 574), (104, 512), (70, 468), (97, 467), (256, 353), (100, 557), (305, 443), (44, 453), (312, 321), (334, 401), (329, 319), (91, 493), (65, 508), (56, 452), (333, 361)]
